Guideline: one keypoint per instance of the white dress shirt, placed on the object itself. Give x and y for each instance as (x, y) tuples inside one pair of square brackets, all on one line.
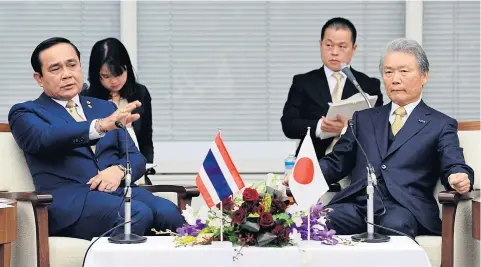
[(93, 134), (332, 84), (409, 109)]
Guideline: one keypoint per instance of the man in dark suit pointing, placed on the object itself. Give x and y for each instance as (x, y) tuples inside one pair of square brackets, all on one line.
[(310, 93)]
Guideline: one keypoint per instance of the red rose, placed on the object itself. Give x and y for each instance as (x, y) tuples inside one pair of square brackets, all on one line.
[(238, 216), (282, 234), (249, 207), (227, 204), (250, 194), (278, 206), (266, 219)]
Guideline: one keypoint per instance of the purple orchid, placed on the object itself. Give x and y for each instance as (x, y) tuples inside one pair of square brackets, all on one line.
[(191, 230)]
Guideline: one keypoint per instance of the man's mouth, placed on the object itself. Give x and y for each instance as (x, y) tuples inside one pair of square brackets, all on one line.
[(68, 86)]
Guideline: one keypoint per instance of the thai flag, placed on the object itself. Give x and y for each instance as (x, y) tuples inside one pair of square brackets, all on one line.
[(218, 178)]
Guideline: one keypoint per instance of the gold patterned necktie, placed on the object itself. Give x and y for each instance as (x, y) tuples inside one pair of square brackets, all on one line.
[(337, 92), (398, 121), (336, 97), (72, 109)]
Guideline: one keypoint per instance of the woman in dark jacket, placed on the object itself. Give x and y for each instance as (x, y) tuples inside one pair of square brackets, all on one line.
[(111, 77)]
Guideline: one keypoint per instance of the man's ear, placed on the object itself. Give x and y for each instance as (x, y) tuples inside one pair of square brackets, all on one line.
[(38, 77), (354, 47), (425, 78)]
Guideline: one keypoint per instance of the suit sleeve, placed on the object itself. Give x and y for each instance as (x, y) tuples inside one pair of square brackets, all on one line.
[(34, 134), (293, 126), (341, 161), (376, 90), (451, 154), (145, 139)]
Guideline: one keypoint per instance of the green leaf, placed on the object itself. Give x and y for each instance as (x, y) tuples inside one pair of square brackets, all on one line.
[(265, 238), (267, 202), (251, 226), (253, 215), (281, 216), (260, 187), (233, 239), (185, 240), (209, 229), (288, 223)]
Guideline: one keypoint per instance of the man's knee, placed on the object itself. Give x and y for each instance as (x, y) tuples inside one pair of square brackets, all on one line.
[(167, 215), (405, 224), (142, 217), (345, 219)]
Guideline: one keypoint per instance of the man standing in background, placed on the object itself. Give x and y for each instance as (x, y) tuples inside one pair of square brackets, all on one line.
[(310, 93)]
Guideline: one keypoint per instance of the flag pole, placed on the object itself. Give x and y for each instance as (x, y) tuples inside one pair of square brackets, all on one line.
[(221, 223), (309, 224), (221, 207)]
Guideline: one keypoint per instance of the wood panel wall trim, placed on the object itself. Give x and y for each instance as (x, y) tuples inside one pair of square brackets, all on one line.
[(4, 128), (468, 126)]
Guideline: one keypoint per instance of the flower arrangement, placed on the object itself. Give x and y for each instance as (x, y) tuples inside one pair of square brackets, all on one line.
[(259, 215)]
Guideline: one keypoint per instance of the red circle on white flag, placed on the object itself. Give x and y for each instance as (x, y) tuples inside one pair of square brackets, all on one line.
[(304, 171)]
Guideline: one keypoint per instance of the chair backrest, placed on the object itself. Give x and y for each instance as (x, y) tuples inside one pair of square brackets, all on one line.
[(16, 175), (468, 132)]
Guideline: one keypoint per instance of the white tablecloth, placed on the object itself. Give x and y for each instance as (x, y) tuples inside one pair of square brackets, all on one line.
[(160, 252)]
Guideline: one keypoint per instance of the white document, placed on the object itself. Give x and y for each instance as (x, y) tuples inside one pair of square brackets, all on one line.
[(347, 107)]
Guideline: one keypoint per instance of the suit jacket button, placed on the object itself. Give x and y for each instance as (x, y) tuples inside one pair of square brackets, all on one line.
[(383, 167)]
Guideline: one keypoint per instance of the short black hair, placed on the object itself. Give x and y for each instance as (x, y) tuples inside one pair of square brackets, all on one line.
[(35, 59), (340, 23), (111, 52)]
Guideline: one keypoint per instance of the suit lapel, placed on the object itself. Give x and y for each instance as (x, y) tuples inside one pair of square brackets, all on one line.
[(88, 108), (54, 108), (349, 88), (380, 121), (416, 121), (57, 110), (322, 89)]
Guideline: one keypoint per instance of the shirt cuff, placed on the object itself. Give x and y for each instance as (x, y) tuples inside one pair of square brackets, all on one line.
[(93, 134)]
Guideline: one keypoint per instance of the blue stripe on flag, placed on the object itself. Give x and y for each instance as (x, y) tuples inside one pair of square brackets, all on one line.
[(216, 176)]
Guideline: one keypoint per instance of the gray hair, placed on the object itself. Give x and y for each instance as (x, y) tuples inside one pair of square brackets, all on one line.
[(407, 46)]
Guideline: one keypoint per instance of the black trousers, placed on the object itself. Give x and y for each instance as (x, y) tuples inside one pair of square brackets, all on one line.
[(348, 217)]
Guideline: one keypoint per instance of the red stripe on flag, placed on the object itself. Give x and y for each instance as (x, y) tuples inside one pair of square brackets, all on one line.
[(204, 192), (228, 162)]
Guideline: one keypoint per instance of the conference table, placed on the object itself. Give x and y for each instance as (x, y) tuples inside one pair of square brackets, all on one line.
[(160, 251)]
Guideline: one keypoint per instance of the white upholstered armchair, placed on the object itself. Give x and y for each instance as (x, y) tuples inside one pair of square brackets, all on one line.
[(34, 247)]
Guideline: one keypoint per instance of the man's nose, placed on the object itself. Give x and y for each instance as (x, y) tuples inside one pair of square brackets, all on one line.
[(396, 77), (335, 51), (66, 73)]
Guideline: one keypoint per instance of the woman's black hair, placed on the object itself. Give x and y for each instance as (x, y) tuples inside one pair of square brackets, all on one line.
[(113, 53)]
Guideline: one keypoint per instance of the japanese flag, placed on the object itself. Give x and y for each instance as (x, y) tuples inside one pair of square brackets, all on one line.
[(307, 182)]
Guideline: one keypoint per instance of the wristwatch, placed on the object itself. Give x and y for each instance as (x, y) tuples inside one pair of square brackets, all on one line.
[(123, 169)]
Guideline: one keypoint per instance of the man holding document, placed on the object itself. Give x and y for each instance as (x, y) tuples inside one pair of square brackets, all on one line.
[(310, 93)]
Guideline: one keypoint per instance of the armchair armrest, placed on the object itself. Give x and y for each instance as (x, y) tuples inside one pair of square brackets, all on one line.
[(449, 201), (36, 198), (185, 193), (40, 202)]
